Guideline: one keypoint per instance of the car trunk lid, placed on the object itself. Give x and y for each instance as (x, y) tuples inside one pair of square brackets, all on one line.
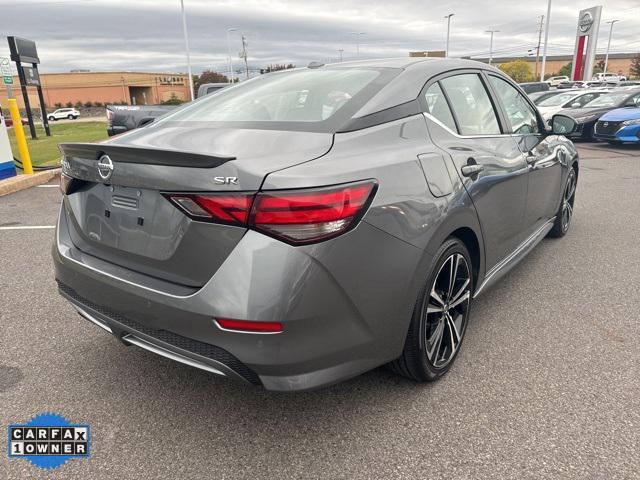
[(122, 216)]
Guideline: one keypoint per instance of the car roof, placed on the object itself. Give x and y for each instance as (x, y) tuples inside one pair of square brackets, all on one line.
[(406, 86)]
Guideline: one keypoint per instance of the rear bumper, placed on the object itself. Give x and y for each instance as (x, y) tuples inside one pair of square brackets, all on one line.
[(336, 325)]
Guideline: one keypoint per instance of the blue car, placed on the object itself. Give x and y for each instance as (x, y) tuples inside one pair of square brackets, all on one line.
[(619, 125)]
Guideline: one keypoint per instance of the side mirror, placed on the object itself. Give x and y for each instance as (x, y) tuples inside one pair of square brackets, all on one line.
[(575, 105), (563, 125)]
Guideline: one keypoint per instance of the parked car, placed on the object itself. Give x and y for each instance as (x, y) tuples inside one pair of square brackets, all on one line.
[(572, 85), (619, 126), (282, 232), (62, 113), (207, 88), (587, 116), (629, 84), (531, 87), (569, 99), (609, 77), (122, 118), (8, 121), (555, 81)]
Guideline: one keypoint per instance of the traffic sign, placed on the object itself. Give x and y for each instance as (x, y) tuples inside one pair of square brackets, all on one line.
[(5, 71)]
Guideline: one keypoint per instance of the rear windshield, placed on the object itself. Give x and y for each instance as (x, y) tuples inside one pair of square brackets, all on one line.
[(556, 100), (608, 100), (305, 99)]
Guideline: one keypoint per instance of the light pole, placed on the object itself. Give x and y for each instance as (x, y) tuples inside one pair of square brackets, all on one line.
[(606, 57), (340, 50), (229, 61), (186, 46), (491, 44), (448, 17), (357, 34), (546, 40)]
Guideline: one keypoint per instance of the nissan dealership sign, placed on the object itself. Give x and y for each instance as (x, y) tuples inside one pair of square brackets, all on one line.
[(584, 55)]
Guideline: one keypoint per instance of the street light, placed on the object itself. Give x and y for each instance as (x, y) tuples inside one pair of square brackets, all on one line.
[(448, 17), (606, 57), (357, 34), (230, 65), (491, 44), (546, 39), (340, 50), (186, 46)]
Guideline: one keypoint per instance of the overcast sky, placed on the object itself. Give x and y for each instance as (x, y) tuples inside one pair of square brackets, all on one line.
[(146, 35)]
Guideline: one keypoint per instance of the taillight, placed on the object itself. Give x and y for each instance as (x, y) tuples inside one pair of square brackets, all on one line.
[(307, 216), (249, 326), (230, 209), (297, 217)]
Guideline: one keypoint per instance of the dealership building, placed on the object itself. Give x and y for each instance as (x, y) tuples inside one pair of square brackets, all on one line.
[(133, 88)]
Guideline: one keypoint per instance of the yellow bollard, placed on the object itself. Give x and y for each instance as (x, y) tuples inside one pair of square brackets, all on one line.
[(21, 140)]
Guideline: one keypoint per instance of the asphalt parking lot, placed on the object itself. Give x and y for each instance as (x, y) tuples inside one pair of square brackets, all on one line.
[(547, 384)]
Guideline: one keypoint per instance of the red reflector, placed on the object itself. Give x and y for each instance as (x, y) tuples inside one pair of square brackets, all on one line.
[(249, 325)]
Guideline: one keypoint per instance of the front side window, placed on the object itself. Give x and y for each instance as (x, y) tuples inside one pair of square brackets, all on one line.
[(519, 113), (438, 107), (471, 104)]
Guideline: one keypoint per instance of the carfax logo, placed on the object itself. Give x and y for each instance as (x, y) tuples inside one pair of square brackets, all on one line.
[(48, 440)]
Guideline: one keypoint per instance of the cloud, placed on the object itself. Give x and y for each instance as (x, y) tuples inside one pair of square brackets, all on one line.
[(146, 35)]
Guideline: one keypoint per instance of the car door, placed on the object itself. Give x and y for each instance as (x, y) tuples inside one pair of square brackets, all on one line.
[(540, 155), (464, 122)]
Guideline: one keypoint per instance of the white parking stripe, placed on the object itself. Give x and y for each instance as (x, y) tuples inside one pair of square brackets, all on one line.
[(28, 227), (48, 186)]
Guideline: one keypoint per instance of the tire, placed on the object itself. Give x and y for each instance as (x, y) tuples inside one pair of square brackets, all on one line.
[(428, 352), (564, 215), (52, 118), (70, 117)]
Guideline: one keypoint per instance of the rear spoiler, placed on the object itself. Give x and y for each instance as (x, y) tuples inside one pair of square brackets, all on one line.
[(142, 155)]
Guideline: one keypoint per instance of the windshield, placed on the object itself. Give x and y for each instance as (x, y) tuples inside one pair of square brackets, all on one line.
[(607, 100), (556, 100), (301, 98)]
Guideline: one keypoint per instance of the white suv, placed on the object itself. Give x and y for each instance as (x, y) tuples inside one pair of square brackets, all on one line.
[(555, 81), (609, 77), (70, 113)]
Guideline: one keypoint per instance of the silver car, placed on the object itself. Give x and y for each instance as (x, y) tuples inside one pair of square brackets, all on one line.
[(306, 226)]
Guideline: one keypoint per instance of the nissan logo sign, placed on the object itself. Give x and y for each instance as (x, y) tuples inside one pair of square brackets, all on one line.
[(105, 167), (585, 22)]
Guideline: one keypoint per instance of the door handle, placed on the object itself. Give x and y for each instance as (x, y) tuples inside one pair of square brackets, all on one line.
[(471, 170)]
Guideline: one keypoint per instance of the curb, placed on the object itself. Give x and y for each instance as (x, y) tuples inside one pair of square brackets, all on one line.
[(22, 182)]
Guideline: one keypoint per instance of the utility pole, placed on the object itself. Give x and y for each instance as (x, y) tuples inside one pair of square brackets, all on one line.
[(340, 50), (491, 32), (546, 41), (186, 46), (243, 54), (229, 60), (606, 57), (357, 34), (448, 17), (539, 42)]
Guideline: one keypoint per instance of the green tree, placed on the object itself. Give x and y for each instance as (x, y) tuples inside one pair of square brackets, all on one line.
[(173, 100), (635, 66), (208, 76), (518, 70), (599, 67), (566, 69)]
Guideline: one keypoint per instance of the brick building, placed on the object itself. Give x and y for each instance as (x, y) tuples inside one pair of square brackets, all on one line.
[(133, 88)]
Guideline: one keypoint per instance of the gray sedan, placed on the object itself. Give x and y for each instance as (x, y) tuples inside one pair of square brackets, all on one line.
[(308, 225)]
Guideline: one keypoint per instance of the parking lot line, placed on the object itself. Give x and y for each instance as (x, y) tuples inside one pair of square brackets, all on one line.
[(28, 227)]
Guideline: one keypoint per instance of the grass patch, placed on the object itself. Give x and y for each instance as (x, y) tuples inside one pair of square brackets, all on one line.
[(44, 150)]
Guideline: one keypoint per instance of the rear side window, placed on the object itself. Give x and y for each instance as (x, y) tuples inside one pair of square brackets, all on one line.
[(519, 113), (438, 107), (471, 105)]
